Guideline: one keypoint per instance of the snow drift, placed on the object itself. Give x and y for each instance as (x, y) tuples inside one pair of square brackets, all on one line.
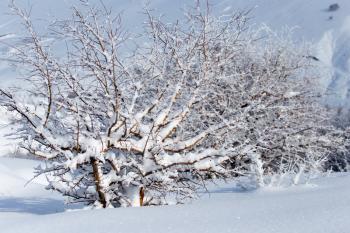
[(320, 206)]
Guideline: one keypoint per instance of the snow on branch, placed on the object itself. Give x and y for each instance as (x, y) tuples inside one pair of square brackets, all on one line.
[(206, 98)]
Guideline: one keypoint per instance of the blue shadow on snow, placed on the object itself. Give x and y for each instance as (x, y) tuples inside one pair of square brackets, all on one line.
[(39, 206)]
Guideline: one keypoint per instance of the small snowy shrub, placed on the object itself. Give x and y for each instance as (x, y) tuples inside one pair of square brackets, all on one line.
[(201, 99)]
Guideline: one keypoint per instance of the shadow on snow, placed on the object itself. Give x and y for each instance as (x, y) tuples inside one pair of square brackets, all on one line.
[(39, 206)]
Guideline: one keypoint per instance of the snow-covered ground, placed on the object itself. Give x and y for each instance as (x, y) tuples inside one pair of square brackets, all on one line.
[(321, 206), (17, 195)]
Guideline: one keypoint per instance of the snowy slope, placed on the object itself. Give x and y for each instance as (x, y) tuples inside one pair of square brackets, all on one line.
[(330, 30), (17, 195), (311, 18), (322, 206)]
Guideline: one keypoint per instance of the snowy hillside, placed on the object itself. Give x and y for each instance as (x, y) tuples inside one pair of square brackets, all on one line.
[(328, 30), (320, 206)]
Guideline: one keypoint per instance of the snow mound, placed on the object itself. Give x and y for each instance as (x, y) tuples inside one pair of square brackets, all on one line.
[(321, 206)]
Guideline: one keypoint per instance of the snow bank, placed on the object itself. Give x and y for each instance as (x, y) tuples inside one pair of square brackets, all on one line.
[(321, 206)]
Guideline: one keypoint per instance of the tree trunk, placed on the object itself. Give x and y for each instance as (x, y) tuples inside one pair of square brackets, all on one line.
[(142, 195), (99, 188)]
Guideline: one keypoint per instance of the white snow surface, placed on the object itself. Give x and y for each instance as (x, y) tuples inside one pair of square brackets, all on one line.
[(322, 206)]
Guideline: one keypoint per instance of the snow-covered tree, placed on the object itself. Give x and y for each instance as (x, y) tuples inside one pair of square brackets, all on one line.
[(203, 98)]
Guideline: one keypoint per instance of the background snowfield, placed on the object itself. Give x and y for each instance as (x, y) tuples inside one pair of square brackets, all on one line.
[(321, 206), (328, 30)]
